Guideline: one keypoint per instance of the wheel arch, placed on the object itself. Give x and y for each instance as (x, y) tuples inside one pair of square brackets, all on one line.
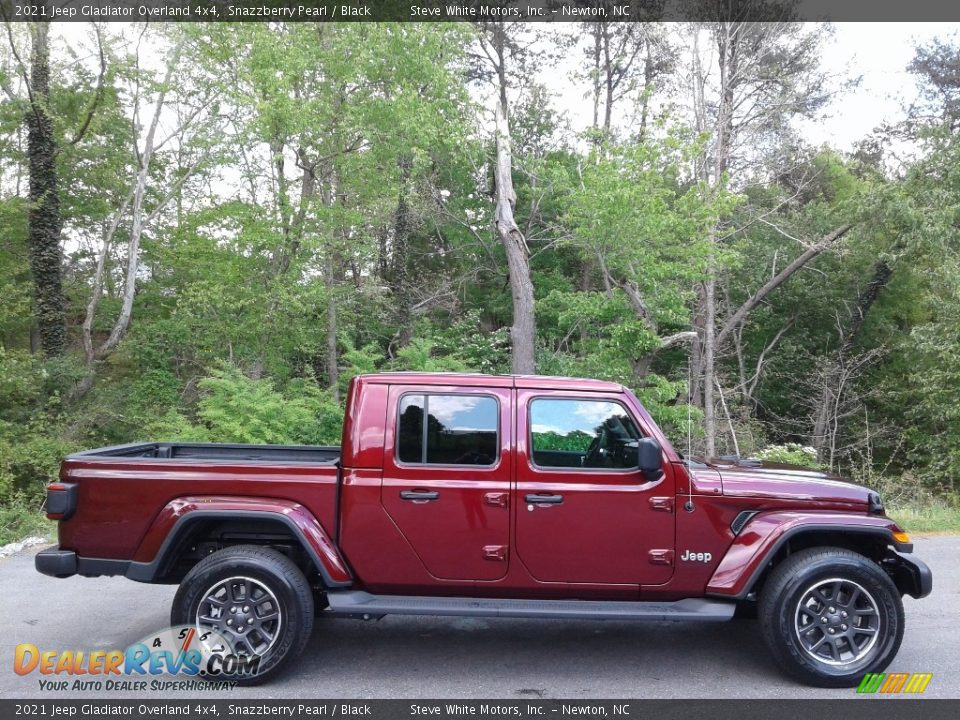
[(187, 523), (769, 538)]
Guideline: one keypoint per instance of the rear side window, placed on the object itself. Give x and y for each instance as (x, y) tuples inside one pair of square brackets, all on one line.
[(440, 429), (582, 434)]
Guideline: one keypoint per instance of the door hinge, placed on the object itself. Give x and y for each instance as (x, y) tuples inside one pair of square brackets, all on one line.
[(495, 499), (497, 553), (661, 557), (664, 504)]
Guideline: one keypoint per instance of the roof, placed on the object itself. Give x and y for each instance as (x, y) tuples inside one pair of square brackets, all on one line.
[(547, 382)]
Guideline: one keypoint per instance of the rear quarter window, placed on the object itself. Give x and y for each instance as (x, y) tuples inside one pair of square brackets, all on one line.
[(448, 429)]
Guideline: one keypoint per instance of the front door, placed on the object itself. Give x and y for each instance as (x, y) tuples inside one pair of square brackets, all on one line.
[(446, 481), (584, 511)]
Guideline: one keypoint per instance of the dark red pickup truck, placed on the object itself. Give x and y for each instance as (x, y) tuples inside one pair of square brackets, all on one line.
[(507, 496)]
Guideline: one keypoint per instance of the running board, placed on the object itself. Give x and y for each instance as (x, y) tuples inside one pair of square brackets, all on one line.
[(358, 603)]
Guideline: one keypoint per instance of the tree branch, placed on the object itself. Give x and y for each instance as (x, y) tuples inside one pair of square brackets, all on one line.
[(98, 96), (777, 280)]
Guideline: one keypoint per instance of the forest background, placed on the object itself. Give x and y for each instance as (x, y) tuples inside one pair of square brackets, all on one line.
[(207, 229)]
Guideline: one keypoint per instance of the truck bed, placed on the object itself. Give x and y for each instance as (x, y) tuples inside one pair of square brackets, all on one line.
[(313, 454), (125, 487)]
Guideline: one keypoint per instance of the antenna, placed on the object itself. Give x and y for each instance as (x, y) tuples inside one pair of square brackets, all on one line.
[(688, 505)]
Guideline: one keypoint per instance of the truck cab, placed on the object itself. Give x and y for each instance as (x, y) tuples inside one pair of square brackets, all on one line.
[(509, 483)]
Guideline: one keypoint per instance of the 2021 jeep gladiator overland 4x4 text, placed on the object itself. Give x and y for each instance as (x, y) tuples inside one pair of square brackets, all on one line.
[(493, 496)]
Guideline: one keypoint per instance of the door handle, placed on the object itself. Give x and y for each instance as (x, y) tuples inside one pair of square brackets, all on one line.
[(421, 495), (543, 499)]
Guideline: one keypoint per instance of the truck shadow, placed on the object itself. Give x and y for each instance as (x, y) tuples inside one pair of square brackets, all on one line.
[(533, 657)]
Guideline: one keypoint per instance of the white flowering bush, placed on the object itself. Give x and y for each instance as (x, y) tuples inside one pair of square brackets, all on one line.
[(790, 454)]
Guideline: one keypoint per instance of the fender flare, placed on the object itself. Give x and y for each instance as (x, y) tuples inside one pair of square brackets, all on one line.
[(175, 519), (765, 533)]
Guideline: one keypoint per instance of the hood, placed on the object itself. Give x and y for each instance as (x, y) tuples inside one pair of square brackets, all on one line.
[(758, 479)]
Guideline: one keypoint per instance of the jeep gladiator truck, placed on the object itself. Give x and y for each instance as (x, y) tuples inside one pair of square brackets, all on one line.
[(491, 496)]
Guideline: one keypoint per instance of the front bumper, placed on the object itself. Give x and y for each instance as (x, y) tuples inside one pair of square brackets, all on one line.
[(56, 562), (912, 576)]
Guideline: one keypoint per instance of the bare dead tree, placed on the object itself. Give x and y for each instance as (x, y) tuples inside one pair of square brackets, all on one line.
[(523, 332), (134, 216)]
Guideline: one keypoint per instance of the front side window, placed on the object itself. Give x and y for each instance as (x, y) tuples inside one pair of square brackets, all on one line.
[(447, 429), (582, 434)]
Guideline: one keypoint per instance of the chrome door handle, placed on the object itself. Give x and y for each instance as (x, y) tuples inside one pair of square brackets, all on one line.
[(422, 495), (543, 499)]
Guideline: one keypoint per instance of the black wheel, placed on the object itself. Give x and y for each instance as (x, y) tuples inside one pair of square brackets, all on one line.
[(830, 615), (257, 600)]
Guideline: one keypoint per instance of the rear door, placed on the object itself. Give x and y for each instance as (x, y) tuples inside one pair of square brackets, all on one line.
[(584, 511), (447, 473)]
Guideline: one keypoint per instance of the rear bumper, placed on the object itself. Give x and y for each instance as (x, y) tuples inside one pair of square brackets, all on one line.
[(56, 562), (65, 563)]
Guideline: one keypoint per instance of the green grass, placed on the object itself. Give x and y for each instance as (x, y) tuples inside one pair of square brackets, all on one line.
[(926, 518), (19, 521)]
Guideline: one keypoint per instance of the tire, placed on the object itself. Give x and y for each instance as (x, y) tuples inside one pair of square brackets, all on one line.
[(235, 580), (796, 619)]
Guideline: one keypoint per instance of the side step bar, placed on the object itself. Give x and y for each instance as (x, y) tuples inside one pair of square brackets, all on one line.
[(359, 603)]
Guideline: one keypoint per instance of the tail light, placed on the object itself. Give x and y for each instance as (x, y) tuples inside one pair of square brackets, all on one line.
[(61, 500)]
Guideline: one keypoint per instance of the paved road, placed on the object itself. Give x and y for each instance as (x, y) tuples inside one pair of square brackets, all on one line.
[(400, 657)]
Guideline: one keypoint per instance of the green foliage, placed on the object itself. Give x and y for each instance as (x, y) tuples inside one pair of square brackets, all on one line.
[(790, 454), (634, 210), (31, 443), (22, 382), (468, 345), (30, 458), (576, 441), (934, 516), (20, 519), (237, 409), (931, 395), (329, 213)]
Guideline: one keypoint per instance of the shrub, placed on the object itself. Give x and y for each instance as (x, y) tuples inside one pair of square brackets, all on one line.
[(239, 409), (791, 454)]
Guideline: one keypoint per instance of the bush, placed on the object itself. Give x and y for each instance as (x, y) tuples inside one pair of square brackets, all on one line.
[(238, 409), (791, 454), (22, 383), (20, 519), (29, 459)]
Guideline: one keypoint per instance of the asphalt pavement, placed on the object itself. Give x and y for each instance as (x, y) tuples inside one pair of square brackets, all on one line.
[(426, 657)]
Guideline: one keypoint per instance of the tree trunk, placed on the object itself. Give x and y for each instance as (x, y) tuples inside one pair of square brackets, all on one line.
[(596, 29), (399, 277), (333, 369), (44, 223), (608, 82), (523, 332), (645, 98), (709, 374), (727, 47)]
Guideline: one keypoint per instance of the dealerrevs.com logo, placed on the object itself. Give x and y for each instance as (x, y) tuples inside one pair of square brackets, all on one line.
[(894, 683), (198, 659)]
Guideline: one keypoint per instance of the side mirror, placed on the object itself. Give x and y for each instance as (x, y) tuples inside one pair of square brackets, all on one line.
[(650, 457)]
